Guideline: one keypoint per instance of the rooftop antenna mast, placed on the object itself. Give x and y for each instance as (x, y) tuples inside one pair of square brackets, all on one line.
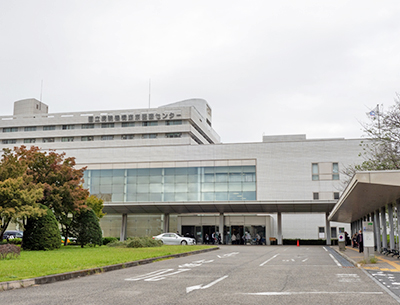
[(41, 90), (149, 91)]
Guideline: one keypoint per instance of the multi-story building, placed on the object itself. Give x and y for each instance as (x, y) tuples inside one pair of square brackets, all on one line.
[(165, 169)]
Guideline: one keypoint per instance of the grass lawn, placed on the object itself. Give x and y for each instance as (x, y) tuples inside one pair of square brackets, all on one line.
[(32, 264)]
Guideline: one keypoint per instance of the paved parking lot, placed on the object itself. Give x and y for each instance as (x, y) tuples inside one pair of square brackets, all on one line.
[(231, 275)]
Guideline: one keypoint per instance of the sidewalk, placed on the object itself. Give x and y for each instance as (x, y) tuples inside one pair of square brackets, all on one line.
[(384, 263)]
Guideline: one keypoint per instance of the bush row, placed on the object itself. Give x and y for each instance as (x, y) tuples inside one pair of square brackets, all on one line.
[(136, 242)]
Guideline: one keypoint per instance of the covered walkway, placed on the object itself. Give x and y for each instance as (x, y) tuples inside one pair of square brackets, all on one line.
[(372, 196)]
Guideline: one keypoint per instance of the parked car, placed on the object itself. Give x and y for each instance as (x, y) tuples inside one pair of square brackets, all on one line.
[(70, 240), (174, 239), (13, 234)]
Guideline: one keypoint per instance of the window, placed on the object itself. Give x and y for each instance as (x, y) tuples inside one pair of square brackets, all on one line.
[(67, 139), (30, 128), (107, 125), (323, 171), (49, 127), (67, 127), (29, 140), (173, 135), (13, 141), (333, 232), (10, 129), (175, 122), (315, 172), (87, 138), (149, 136), (321, 232), (336, 195), (335, 171), (128, 124), (151, 123), (127, 136), (48, 140), (315, 196), (106, 138), (87, 126)]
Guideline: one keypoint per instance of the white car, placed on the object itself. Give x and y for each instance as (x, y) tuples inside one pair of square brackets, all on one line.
[(175, 239)]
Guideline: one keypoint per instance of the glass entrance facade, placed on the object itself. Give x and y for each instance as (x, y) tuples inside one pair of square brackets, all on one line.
[(223, 183)]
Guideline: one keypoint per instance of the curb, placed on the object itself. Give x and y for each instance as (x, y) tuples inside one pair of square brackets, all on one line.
[(75, 274), (345, 256)]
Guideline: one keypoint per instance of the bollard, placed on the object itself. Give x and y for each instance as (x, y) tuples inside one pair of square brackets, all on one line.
[(298, 243)]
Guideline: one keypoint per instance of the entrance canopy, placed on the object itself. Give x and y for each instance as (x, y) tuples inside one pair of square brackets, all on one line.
[(366, 192), (285, 206)]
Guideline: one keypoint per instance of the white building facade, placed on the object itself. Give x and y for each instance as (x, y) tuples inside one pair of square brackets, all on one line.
[(165, 169)]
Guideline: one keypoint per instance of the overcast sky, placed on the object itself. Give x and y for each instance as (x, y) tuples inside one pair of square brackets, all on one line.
[(265, 67)]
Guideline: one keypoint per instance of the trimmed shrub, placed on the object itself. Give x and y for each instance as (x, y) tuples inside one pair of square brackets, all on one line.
[(87, 229), (8, 251), (42, 233), (107, 240), (137, 242), (15, 241)]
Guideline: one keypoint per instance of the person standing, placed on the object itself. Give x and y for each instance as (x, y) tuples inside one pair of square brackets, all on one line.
[(360, 241), (233, 239)]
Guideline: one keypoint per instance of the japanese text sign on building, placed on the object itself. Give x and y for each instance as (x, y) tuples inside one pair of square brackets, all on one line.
[(148, 116)]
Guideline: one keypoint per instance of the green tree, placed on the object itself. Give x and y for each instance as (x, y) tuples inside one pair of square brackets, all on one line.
[(42, 233), (381, 149), (95, 204), (57, 175), (18, 200), (87, 229)]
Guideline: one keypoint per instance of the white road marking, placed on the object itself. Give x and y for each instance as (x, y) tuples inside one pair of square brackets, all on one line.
[(324, 249), (195, 264), (156, 275), (147, 275), (269, 260), (311, 292), (163, 276), (189, 289), (348, 278), (334, 259), (292, 260), (304, 260)]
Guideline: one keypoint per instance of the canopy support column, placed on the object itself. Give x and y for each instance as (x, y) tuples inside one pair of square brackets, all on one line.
[(328, 230), (279, 220), (384, 231), (391, 228), (124, 226)]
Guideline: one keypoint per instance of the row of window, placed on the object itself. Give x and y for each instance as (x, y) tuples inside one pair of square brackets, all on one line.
[(91, 126), (321, 232), (103, 138), (325, 171), (173, 184), (335, 195)]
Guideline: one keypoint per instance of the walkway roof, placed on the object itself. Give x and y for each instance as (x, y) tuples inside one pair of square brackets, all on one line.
[(273, 206), (366, 192)]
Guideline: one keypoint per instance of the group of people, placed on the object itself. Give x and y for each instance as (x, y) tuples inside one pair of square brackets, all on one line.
[(236, 239), (214, 239), (357, 241)]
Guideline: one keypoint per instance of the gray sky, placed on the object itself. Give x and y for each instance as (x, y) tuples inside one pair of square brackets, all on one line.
[(265, 67)]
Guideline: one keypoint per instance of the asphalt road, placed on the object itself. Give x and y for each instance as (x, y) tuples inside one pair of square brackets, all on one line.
[(231, 275)]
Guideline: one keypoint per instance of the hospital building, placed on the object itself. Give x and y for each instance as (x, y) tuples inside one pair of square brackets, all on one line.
[(165, 169)]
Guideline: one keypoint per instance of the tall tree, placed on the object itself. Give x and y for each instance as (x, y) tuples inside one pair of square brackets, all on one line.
[(18, 200), (62, 184), (382, 150), (56, 174)]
